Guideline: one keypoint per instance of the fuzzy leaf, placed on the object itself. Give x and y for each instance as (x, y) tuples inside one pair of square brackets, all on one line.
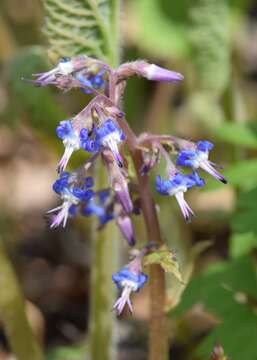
[(76, 27), (209, 35), (167, 260)]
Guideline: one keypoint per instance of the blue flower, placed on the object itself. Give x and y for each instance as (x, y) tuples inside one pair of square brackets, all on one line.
[(89, 182), (98, 206), (178, 182), (176, 186), (70, 139), (73, 140), (109, 135), (204, 146), (129, 280), (94, 81), (197, 179), (126, 276), (198, 158), (61, 183), (72, 195), (86, 143), (65, 130)]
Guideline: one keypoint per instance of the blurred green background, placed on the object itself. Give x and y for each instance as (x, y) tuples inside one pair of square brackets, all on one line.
[(214, 44)]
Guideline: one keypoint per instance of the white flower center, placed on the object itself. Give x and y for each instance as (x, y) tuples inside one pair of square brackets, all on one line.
[(68, 197), (177, 189), (133, 286), (72, 141), (201, 156), (65, 68), (111, 139)]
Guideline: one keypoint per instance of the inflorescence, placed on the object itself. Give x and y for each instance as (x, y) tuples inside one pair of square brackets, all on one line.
[(100, 130)]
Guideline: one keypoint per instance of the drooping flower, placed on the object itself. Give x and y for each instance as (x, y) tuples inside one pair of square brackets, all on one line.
[(98, 205), (105, 207), (118, 180), (129, 279), (73, 140), (66, 70), (109, 135), (176, 186), (198, 158), (73, 193), (196, 178), (64, 67)]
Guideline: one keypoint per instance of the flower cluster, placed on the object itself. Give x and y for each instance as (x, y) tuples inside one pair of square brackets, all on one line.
[(91, 139), (194, 156), (100, 131)]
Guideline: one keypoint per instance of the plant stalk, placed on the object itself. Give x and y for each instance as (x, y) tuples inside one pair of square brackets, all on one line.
[(158, 340), (104, 262), (105, 249)]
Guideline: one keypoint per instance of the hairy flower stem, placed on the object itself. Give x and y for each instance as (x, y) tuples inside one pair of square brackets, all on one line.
[(103, 341), (13, 316), (105, 253), (158, 341)]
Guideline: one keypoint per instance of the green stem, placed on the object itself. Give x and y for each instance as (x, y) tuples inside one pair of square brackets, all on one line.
[(102, 293), (13, 315), (105, 249)]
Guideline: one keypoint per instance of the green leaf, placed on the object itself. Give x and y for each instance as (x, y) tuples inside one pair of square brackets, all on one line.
[(237, 134), (243, 173), (167, 260), (244, 220), (234, 333), (82, 27), (67, 353), (218, 290), (242, 244)]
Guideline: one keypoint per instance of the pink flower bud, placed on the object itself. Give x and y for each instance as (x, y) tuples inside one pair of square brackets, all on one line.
[(125, 225), (157, 73)]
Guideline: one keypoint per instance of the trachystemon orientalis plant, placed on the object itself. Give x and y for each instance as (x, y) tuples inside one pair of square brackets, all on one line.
[(101, 130)]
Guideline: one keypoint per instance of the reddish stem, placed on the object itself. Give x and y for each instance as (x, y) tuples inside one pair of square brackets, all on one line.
[(158, 342)]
